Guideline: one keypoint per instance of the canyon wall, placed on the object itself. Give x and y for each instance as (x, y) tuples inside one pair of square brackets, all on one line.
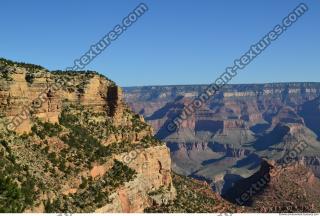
[(238, 127)]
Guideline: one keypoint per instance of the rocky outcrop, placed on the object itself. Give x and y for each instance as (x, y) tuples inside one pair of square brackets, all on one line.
[(43, 97), (293, 188), (276, 188), (80, 147), (154, 172)]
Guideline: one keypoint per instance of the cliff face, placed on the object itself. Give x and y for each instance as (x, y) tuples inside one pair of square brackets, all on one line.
[(154, 172), (89, 90), (227, 138), (82, 150)]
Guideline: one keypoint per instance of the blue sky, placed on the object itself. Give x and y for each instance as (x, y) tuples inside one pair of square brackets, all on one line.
[(175, 42)]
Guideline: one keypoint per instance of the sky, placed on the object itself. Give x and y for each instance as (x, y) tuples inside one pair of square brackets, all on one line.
[(174, 42)]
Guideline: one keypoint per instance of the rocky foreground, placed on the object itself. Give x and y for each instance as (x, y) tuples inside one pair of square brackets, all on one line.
[(82, 150)]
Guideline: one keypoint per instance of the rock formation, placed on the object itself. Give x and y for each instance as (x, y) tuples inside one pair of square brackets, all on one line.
[(72, 145)]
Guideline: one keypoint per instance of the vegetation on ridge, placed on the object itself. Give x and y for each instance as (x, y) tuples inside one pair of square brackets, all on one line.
[(192, 197), (17, 185), (32, 69), (93, 194)]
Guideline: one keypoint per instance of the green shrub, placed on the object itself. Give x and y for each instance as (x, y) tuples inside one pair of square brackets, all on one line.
[(94, 194), (43, 129), (17, 186)]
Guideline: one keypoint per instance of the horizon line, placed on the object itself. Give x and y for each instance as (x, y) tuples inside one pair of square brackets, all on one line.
[(231, 84)]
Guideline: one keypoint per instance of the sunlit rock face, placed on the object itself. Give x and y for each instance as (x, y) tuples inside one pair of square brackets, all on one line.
[(81, 150)]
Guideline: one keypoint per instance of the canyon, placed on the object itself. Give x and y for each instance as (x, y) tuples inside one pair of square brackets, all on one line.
[(74, 141), (226, 141)]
